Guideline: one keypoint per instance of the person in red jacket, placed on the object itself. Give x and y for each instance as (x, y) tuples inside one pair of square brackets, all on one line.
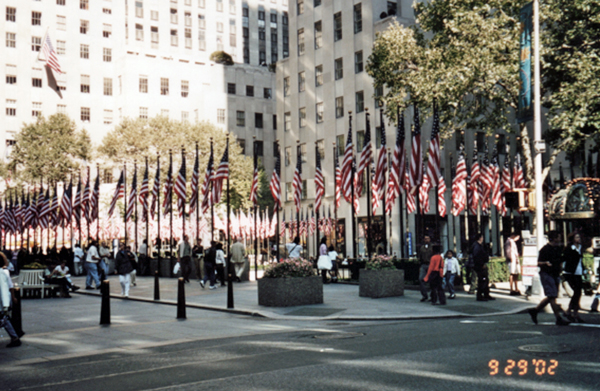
[(434, 276)]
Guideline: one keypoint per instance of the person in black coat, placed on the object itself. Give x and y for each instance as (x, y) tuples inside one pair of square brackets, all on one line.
[(481, 259), (573, 274), (124, 267)]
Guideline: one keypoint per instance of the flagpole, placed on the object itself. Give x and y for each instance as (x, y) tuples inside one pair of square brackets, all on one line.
[(229, 273), (278, 203), (159, 240), (126, 201), (389, 243), (255, 212), (97, 202), (300, 184), (335, 191), (22, 216), (62, 221), (317, 241), (78, 213), (212, 206), (170, 205), (183, 202), (197, 208), (353, 172), (135, 215), (88, 201), (146, 217), (369, 191)]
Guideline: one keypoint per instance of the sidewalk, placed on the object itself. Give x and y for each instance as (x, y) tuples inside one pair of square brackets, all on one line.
[(341, 302)]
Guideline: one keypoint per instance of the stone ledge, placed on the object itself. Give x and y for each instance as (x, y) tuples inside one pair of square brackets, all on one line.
[(381, 283), (288, 292)]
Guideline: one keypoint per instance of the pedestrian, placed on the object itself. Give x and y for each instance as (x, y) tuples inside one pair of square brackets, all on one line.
[(511, 252), (52, 277), (198, 255), (549, 262), (434, 275), (78, 257), (92, 266), (333, 255), (424, 256), (62, 271), (238, 254), (105, 257), (573, 273), (324, 262), (452, 269), (209, 266), (220, 263), (184, 258), (481, 259), (143, 259), (124, 267), (470, 270), (294, 248), (134, 261), (6, 299)]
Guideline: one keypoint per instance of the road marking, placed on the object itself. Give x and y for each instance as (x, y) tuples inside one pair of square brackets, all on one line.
[(479, 321)]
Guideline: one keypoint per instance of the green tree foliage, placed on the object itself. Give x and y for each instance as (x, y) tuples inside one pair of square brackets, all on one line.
[(136, 139), (465, 54), (221, 57), (49, 149)]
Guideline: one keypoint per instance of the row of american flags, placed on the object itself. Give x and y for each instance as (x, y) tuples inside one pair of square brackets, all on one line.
[(475, 189)]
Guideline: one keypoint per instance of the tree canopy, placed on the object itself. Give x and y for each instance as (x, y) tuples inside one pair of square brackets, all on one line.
[(136, 139), (49, 149), (465, 55)]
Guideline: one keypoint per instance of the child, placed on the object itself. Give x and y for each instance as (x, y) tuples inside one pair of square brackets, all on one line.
[(451, 270), (333, 255)]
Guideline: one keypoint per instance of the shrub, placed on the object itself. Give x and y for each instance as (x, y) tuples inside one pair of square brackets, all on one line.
[(381, 262), (290, 268), (221, 57)]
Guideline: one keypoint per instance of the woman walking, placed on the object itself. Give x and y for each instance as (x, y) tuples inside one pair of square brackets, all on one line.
[(573, 274), (124, 267)]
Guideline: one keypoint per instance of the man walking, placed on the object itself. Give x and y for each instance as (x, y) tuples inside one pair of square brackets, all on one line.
[(184, 256), (549, 262), (238, 253), (511, 252), (424, 257), (481, 259), (92, 266)]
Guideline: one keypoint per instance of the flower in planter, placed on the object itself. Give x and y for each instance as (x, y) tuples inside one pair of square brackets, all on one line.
[(381, 262), (290, 268)]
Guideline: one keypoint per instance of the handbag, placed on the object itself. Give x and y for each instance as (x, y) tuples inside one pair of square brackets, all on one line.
[(324, 262), (176, 268)]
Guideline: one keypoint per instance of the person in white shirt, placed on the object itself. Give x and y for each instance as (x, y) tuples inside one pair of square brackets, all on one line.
[(62, 271), (294, 249), (451, 270), (220, 262), (78, 260), (511, 251), (92, 266), (333, 255)]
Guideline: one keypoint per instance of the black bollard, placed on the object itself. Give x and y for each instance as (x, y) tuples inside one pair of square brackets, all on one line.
[(156, 286), (181, 300), (16, 319), (105, 309)]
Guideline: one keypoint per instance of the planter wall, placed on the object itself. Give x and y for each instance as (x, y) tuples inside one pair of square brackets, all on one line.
[(381, 283), (287, 292)]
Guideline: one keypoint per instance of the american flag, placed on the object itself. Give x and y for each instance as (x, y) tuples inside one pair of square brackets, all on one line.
[(195, 184), (155, 193), (208, 177), (347, 164), (168, 190), (85, 199), (396, 177), (2, 216), (275, 184), (76, 202), (433, 162), (416, 169), (144, 192), (66, 208), (55, 212), (356, 198), (518, 175), (303, 224), (497, 193), (50, 55), (297, 181), (181, 187), (95, 199), (319, 183), (506, 179), (282, 226), (119, 193), (366, 155), (380, 172), (441, 196), (40, 207), (17, 212), (33, 210), (338, 181), (45, 210), (459, 186), (486, 184), (132, 197), (474, 183), (313, 223), (424, 194), (221, 174), (254, 186), (411, 205), (27, 215)]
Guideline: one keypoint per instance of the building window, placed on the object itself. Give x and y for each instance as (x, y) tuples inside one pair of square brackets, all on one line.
[(392, 7), (232, 7), (357, 18), (11, 41), (339, 68), (108, 89), (36, 43), (36, 82), (317, 3), (107, 55), (249, 90), (286, 86), (258, 120), (320, 112), (201, 40), (339, 107), (318, 35), (185, 88), (108, 117), (11, 14), (339, 143), (240, 118), (36, 18), (11, 107), (220, 116), (219, 5), (11, 79), (337, 26), (304, 189), (267, 93), (360, 101), (185, 116), (201, 3), (231, 88), (164, 86), (174, 15), (139, 9), (107, 11), (83, 4), (201, 22), (300, 42), (84, 51), (154, 36), (287, 121), (174, 40), (379, 96), (188, 18), (139, 32), (300, 7), (288, 156), (188, 38), (143, 112), (61, 22), (85, 114), (61, 109), (288, 191), (319, 75), (219, 27), (85, 84), (144, 84), (60, 47), (60, 2), (84, 25), (360, 140), (154, 15), (242, 144), (107, 30), (321, 149), (301, 81), (302, 117), (164, 113), (303, 158), (358, 62), (274, 121)]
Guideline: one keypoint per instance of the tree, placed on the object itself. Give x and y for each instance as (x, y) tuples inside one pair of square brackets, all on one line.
[(49, 149), (465, 54), (221, 57), (136, 139)]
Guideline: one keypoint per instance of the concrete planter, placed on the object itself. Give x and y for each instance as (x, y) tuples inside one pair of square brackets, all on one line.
[(288, 292), (381, 283)]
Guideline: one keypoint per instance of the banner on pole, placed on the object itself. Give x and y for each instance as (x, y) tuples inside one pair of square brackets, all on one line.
[(525, 109)]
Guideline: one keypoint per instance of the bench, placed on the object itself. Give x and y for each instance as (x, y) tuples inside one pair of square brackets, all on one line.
[(34, 280)]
